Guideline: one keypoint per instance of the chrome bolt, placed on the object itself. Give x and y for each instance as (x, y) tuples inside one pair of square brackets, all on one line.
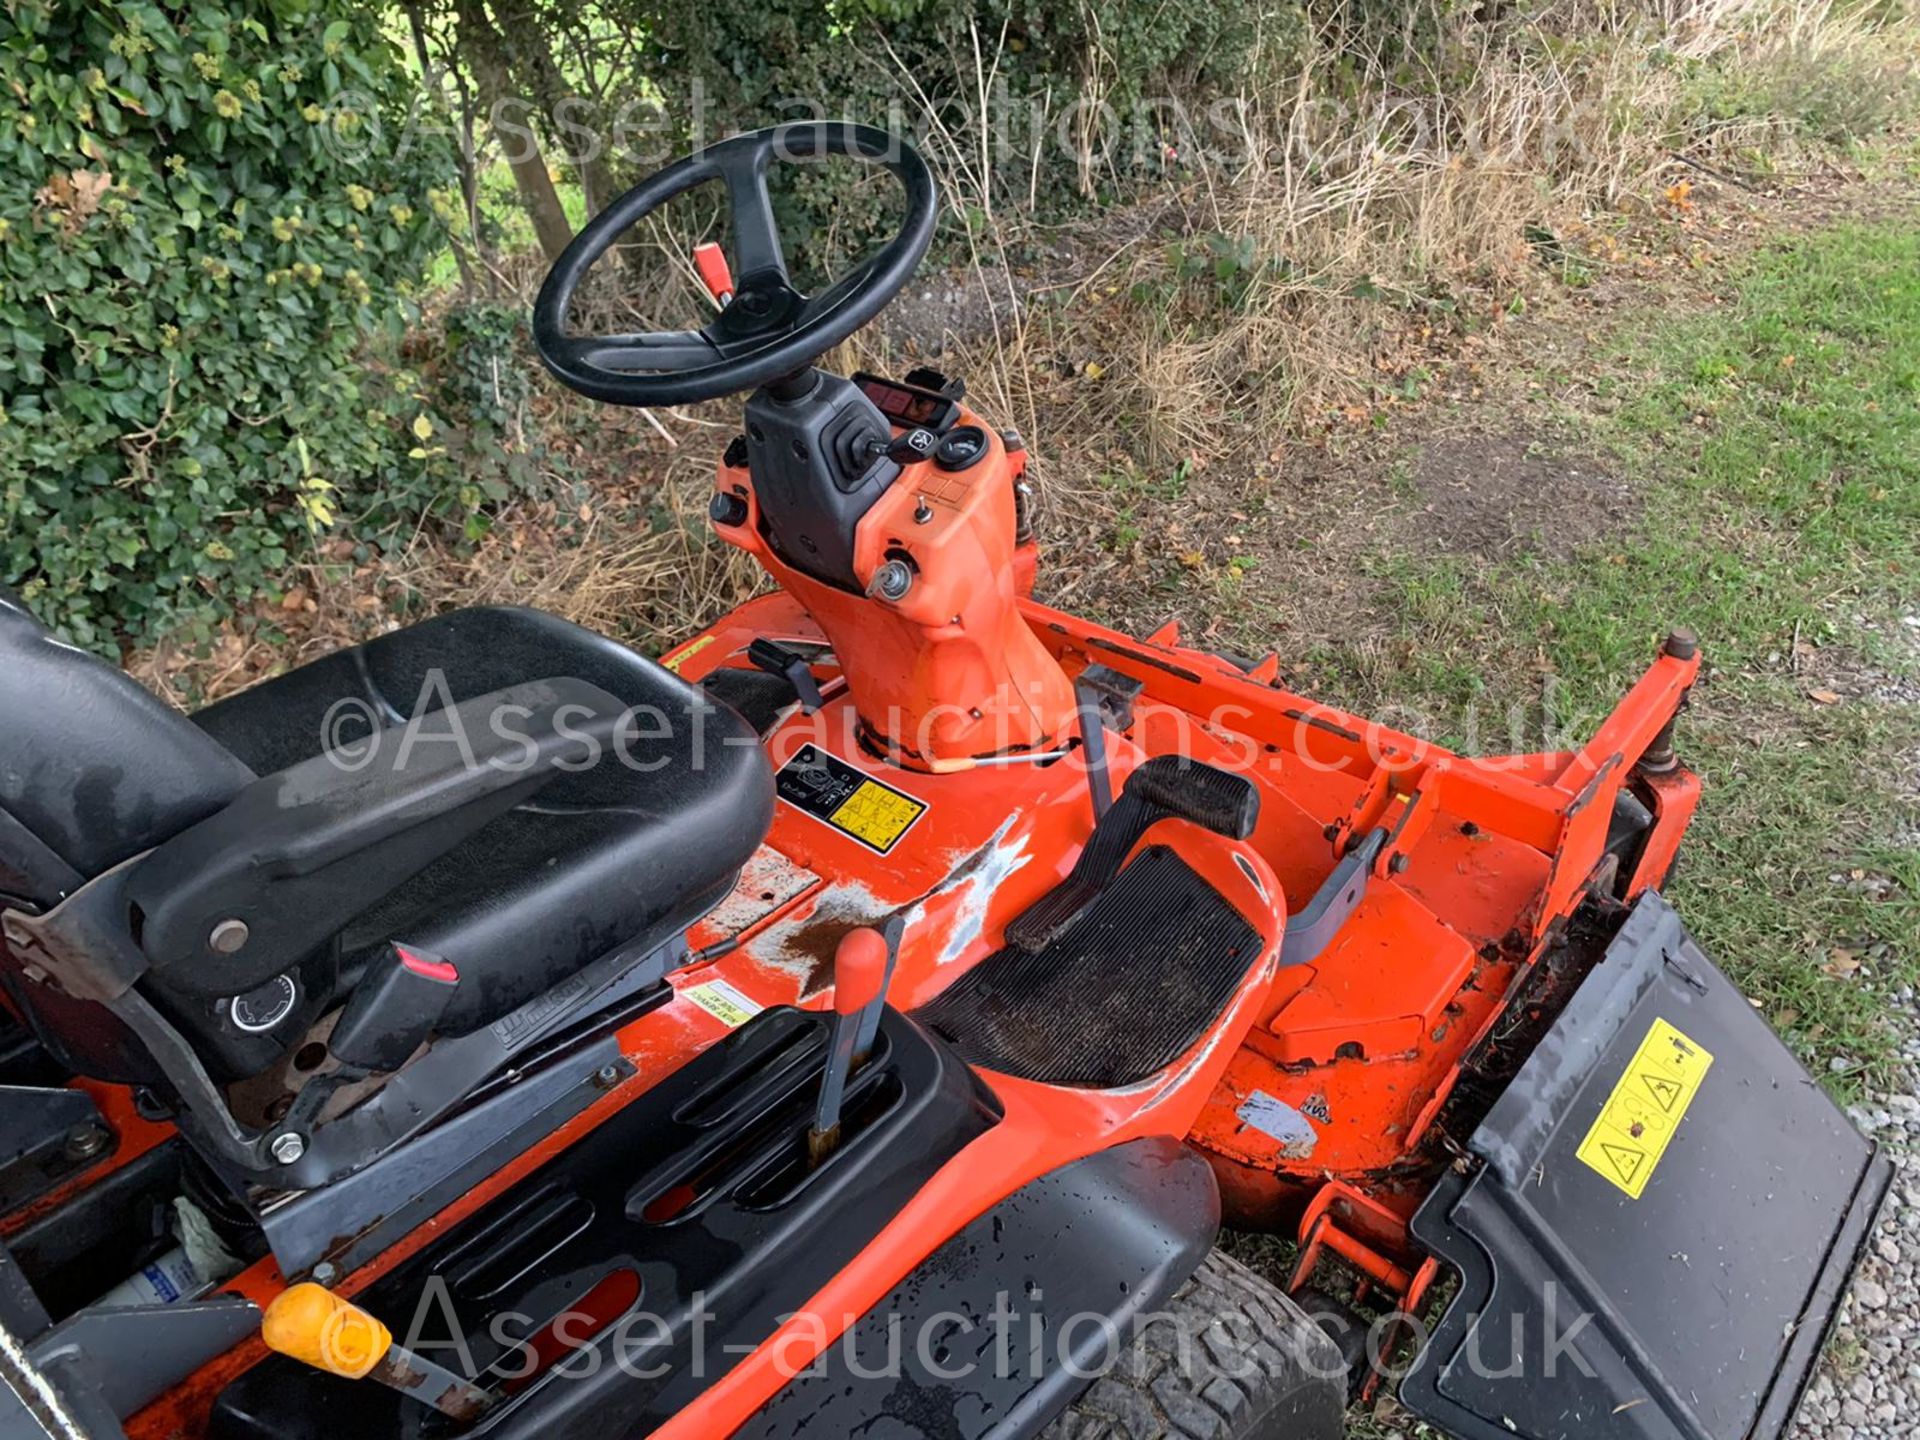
[(84, 1142), (325, 1273), (607, 1076), (288, 1148), (228, 936)]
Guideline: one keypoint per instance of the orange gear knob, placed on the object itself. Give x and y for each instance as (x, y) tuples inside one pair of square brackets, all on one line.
[(313, 1325)]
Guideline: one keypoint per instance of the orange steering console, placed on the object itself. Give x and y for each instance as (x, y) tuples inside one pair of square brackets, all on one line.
[(923, 608)]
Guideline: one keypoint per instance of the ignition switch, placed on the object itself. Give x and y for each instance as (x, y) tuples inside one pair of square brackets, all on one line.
[(892, 580)]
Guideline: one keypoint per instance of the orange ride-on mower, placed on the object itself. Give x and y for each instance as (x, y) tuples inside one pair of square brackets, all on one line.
[(860, 1023)]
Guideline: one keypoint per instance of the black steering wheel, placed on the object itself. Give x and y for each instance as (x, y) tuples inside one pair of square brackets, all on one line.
[(769, 330)]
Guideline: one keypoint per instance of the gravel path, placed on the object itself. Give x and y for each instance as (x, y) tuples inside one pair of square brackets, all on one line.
[(1869, 1388)]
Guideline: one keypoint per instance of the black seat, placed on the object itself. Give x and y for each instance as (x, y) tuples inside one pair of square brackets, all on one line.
[(622, 853)]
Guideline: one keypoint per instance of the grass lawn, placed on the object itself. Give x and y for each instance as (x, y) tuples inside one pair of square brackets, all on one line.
[(1773, 446)]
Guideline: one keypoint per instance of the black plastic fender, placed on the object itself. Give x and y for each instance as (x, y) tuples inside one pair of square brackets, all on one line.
[(1001, 1328)]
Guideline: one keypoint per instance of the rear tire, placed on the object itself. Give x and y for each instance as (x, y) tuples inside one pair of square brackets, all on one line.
[(1230, 1357)]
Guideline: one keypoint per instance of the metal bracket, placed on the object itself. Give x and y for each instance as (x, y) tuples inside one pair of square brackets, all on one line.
[(130, 1356), (83, 944), (46, 1135), (1312, 928), (352, 1220)]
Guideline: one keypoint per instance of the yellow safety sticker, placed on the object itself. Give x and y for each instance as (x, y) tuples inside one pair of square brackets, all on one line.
[(1640, 1118), (848, 799), (686, 652), (724, 1002), (877, 815)]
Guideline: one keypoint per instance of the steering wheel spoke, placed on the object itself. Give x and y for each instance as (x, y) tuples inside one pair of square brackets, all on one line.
[(656, 352), (756, 232), (841, 291)]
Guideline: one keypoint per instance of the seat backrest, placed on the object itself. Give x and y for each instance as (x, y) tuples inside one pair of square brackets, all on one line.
[(92, 766)]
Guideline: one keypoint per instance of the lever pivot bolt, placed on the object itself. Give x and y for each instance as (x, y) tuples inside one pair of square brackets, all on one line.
[(228, 936)]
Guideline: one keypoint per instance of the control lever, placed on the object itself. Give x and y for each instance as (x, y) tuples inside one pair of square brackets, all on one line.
[(860, 966), (711, 263), (311, 1324), (891, 932), (907, 448), (393, 1009), (789, 665)]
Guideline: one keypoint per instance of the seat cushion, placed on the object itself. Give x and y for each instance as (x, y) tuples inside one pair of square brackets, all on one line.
[(628, 852)]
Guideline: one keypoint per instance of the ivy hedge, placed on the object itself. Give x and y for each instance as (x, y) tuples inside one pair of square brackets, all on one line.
[(212, 215)]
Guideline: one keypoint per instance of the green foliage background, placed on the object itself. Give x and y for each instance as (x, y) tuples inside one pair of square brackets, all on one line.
[(1054, 65), (217, 218), (202, 226)]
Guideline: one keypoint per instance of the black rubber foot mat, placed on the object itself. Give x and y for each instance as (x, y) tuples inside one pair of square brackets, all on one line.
[(1118, 995)]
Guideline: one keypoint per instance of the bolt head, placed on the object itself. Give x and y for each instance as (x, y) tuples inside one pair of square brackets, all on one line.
[(325, 1273), (84, 1142), (288, 1148), (228, 936), (1681, 644)]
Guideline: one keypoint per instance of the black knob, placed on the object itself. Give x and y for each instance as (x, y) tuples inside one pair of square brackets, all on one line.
[(727, 509), (960, 447)]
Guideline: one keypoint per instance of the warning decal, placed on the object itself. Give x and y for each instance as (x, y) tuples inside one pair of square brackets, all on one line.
[(1640, 1117), (686, 652), (850, 800), (722, 1001)]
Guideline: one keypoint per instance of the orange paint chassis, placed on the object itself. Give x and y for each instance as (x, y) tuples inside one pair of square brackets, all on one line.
[(1488, 861), (1329, 1094)]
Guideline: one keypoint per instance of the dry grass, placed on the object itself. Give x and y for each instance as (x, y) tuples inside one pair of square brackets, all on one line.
[(1369, 200), (645, 580)]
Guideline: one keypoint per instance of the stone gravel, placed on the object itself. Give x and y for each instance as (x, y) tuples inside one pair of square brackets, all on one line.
[(1869, 1386)]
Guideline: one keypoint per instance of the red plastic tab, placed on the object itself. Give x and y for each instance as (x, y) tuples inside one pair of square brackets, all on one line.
[(711, 261), (426, 966)]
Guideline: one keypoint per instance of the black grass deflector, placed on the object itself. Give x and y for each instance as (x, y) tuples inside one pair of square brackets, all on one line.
[(1117, 995), (1165, 787)]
